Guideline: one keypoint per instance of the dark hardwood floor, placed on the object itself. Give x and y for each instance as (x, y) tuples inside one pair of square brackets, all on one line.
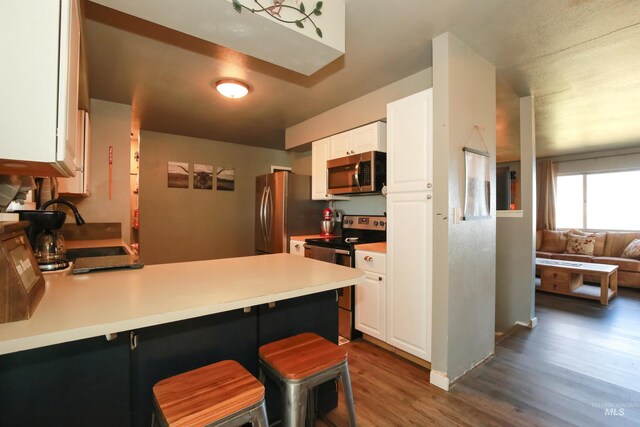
[(580, 366)]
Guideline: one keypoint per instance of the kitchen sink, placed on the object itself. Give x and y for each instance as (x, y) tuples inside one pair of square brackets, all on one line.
[(73, 254)]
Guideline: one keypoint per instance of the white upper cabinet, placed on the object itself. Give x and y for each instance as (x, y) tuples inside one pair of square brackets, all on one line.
[(319, 156), (340, 145), (79, 184), (40, 47), (372, 137), (410, 143)]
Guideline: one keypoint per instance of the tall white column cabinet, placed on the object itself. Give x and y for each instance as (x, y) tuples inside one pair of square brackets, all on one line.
[(40, 45), (409, 223)]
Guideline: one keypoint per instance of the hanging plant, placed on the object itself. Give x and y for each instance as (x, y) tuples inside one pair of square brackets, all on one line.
[(277, 7)]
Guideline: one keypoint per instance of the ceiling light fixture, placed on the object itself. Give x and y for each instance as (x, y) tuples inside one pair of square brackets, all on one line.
[(232, 88)]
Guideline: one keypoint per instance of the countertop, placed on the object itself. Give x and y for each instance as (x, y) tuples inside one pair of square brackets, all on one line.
[(81, 306), (373, 247), (307, 236)]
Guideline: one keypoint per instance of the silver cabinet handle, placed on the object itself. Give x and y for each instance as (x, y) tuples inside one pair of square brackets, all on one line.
[(429, 197), (368, 258), (429, 185)]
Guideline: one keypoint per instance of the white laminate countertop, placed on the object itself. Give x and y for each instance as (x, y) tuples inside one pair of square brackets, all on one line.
[(81, 306)]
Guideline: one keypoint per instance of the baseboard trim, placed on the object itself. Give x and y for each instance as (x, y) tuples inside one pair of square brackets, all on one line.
[(439, 379), (530, 324), (401, 353)]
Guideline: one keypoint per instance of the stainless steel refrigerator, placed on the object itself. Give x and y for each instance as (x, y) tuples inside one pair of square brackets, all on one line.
[(284, 208)]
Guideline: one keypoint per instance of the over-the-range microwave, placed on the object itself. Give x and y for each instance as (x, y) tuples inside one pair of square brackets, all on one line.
[(357, 174)]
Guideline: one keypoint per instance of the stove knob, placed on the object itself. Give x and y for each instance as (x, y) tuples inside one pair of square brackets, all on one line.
[(381, 223), (375, 223)]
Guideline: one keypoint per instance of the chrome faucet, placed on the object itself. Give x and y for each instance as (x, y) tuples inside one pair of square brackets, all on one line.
[(79, 219)]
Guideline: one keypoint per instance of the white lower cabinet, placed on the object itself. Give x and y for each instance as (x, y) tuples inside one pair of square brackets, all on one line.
[(371, 290), (409, 269), (296, 247)]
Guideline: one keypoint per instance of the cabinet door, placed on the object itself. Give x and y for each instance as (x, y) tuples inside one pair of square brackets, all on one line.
[(78, 383), (340, 145), (319, 157), (410, 143), (371, 305), (79, 184), (409, 272), (39, 87), (296, 247), (372, 137)]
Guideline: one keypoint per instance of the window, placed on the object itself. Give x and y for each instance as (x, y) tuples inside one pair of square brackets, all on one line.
[(599, 201)]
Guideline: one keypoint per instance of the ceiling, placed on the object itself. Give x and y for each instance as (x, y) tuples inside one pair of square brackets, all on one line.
[(579, 58)]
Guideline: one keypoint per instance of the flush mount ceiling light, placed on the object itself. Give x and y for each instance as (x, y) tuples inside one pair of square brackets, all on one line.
[(231, 88)]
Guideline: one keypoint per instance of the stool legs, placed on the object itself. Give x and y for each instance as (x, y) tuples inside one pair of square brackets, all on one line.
[(296, 393), (345, 380), (295, 404)]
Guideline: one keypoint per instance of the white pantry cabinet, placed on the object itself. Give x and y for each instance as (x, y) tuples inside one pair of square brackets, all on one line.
[(79, 184), (371, 137), (371, 290), (410, 143), (296, 247), (40, 48), (409, 271)]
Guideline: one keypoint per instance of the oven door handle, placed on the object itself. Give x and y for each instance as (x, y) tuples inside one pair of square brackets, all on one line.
[(337, 251)]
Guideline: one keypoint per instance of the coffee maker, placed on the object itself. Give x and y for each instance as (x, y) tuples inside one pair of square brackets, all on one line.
[(48, 243)]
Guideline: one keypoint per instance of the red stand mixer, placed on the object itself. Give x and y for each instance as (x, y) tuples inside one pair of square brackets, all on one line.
[(327, 222)]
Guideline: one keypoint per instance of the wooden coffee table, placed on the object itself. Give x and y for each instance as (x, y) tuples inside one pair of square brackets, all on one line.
[(566, 277)]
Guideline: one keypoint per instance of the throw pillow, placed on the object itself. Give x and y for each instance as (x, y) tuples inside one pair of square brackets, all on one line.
[(632, 250), (553, 241), (598, 249), (582, 245)]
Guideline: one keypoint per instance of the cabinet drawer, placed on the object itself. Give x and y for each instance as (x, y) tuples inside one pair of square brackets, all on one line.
[(560, 280), (374, 262), (296, 247)]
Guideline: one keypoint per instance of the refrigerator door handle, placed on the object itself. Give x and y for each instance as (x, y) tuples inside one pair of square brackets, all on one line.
[(269, 213), (263, 221)]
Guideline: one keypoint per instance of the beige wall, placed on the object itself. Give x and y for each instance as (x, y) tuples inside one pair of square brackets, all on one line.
[(361, 111), (464, 95), (110, 125), (188, 224)]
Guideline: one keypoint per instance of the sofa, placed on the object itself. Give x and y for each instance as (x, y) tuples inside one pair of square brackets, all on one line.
[(610, 247)]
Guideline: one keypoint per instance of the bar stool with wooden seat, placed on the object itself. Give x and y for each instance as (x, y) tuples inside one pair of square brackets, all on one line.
[(221, 394), (300, 363)]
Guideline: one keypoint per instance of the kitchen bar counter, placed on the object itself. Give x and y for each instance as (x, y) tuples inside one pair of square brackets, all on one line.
[(76, 307), (373, 247)]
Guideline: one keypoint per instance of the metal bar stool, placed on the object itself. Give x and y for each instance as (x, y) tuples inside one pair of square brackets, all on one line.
[(221, 394), (300, 363)]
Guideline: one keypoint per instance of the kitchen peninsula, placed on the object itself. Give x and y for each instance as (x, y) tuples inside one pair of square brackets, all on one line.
[(168, 318)]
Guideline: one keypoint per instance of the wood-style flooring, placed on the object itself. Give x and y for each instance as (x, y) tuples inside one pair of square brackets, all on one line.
[(580, 366)]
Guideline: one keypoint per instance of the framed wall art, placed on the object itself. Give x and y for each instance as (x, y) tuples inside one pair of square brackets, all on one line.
[(477, 196)]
